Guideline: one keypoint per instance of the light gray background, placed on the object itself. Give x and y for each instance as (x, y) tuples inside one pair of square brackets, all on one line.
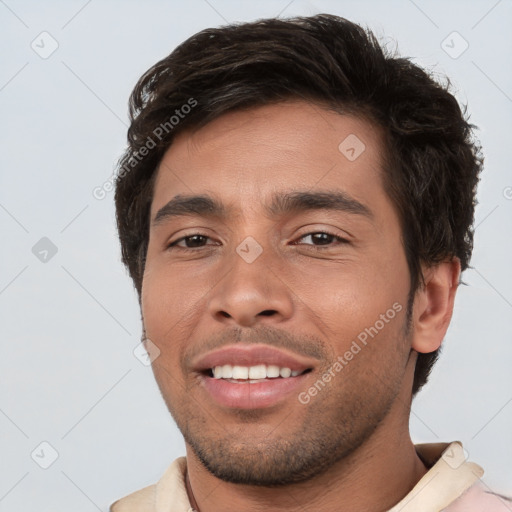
[(69, 325)]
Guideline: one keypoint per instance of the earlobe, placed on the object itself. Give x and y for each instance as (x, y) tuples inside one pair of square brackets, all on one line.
[(433, 305)]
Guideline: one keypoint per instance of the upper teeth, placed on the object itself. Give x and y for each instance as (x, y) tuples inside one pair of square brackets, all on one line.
[(260, 371)]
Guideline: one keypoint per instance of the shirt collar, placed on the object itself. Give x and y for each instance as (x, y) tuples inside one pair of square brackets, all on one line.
[(450, 474), (445, 481)]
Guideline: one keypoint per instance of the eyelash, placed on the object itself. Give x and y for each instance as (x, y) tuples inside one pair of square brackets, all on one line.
[(341, 240)]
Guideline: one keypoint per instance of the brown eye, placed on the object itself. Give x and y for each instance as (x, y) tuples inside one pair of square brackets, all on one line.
[(197, 240), (323, 238)]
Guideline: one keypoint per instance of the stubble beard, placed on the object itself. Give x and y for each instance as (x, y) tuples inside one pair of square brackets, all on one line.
[(331, 429), (335, 424)]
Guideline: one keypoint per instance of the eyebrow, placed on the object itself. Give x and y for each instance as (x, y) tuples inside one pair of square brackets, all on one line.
[(281, 204)]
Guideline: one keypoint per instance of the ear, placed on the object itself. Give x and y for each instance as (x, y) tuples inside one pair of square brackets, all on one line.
[(433, 305)]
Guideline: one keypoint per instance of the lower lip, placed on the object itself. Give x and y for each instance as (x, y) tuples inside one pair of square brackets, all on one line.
[(252, 395)]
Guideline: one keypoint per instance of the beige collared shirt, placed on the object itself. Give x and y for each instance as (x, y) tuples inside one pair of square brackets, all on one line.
[(452, 484)]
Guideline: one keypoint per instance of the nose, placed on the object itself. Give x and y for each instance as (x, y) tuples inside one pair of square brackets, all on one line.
[(250, 293)]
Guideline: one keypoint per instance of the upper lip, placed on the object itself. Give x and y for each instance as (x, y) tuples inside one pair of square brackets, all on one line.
[(251, 355)]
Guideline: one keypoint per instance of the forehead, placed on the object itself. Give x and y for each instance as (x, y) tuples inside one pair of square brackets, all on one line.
[(245, 156)]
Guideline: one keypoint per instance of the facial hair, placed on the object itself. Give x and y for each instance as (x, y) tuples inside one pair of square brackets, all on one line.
[(340, 419)]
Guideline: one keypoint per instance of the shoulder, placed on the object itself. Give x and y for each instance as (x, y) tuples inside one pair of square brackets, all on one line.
[(169, 493), (142, 500), (479, 498)]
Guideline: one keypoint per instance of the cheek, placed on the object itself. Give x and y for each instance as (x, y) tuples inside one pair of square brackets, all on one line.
[(155, 303), (164, 312), (352, 286), (167, 289), (173, 300), (164, 302), (354, 299)]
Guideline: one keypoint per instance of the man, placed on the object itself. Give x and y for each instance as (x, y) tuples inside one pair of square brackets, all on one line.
[(295, 208)]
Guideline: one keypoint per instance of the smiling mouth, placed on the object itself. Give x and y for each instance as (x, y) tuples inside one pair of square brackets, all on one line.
[(252, 374)]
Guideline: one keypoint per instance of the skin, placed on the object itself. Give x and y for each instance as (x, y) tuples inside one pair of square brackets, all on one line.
[(353, 436)]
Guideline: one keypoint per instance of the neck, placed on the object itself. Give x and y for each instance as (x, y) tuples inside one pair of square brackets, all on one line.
[(374, 477)]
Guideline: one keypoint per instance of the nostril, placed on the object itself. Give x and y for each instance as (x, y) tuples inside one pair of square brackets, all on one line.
[(268, 312)]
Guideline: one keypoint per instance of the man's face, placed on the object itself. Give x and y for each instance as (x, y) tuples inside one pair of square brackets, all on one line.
[(258, 286)]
